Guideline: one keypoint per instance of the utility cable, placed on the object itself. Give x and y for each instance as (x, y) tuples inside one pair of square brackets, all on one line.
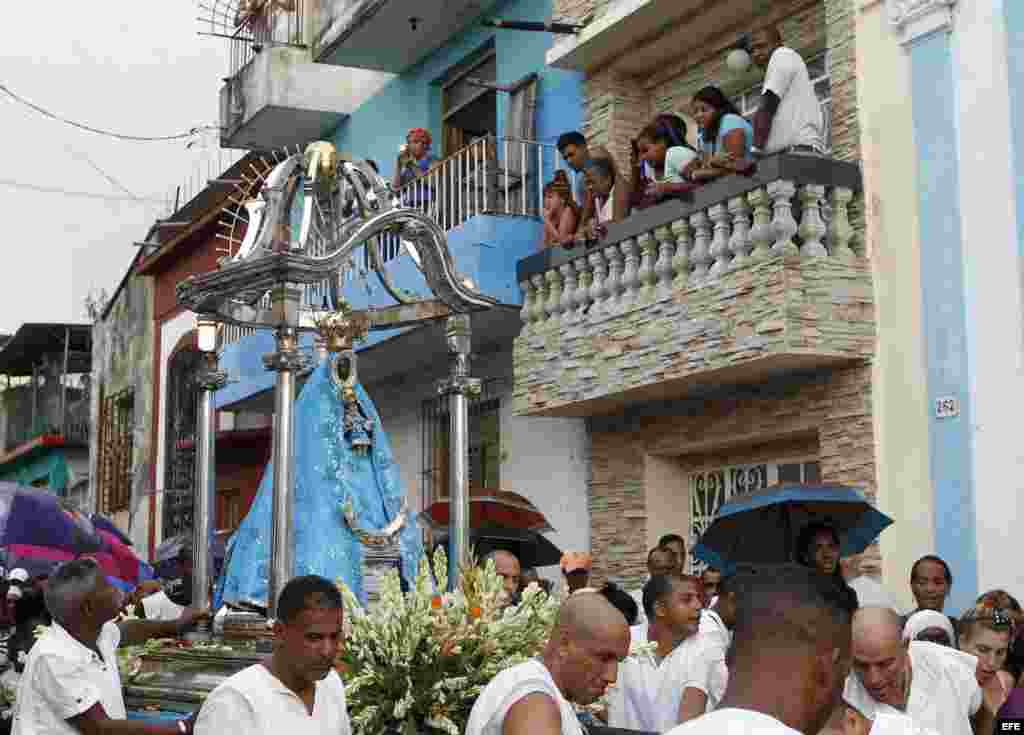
[(83, 194), (120, 136), (95, 167)]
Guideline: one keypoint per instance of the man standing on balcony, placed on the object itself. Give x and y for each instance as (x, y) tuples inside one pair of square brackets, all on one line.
[(789, 119)]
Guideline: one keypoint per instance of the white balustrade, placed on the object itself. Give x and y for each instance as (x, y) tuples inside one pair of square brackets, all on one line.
[(693, 251)]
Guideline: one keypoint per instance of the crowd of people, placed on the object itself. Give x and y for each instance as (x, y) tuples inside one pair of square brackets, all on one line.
[(663, 164), (812, 647)]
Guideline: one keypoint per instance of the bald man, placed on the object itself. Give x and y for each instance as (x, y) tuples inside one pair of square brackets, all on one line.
[(507, 566), (790, 654), (934, 685), (580, 661)]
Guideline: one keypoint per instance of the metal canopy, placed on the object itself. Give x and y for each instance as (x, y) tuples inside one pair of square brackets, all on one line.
[(32, 342)]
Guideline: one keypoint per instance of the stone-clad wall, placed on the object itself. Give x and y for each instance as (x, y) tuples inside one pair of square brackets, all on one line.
[(832, 409), (783, 309)]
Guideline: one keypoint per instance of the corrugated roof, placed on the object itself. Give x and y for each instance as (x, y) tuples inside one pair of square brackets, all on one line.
[(32, 342)]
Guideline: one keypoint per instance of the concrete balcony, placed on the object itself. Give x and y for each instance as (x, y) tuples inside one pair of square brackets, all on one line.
[(280, 97), (382, 34), (751, 278)]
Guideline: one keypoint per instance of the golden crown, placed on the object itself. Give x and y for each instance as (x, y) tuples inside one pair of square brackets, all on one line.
[(340, 329)]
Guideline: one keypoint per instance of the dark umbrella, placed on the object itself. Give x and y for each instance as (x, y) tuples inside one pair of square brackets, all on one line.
[(761, 527), (501, 508), (531, 548), (32, 519), (102, 523)]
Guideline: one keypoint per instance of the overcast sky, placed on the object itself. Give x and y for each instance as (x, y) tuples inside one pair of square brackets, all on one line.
[(131, 66)]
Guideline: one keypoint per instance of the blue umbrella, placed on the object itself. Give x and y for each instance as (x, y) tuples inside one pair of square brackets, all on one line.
[(762, 527), (102, 523)]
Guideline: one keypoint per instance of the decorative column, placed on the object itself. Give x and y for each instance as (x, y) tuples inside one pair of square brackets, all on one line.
[(209, 380), (286, 362), (458, 387)]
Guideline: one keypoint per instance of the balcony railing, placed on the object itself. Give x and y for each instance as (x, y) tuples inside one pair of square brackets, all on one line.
[(74, 432), (747, 278), (489, 176), (255, 25)]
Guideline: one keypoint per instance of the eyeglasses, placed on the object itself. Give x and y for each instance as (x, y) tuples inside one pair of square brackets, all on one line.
[(996, 617)]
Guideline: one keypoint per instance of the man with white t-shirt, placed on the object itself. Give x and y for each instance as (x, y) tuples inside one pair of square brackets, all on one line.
[(297, 690), (789, 118), (660, 560), (691, 669), (934, 685), (579, 662), (790, 654), (869, 592)]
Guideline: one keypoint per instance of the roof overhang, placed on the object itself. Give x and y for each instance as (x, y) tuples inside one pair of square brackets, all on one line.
[(32, 342)]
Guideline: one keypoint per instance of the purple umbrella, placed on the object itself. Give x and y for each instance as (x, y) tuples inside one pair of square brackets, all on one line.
[(37, 519)]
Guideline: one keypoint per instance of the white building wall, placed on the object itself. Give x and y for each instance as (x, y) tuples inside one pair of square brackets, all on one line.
[(546, 461), (995, 303)]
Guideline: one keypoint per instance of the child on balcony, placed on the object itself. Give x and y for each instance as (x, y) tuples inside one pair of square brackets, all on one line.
[(561, 214)]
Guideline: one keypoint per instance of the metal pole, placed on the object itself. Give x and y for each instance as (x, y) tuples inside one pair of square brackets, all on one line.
[(209, 380), (458, 387), (286, 361), (64, 386)]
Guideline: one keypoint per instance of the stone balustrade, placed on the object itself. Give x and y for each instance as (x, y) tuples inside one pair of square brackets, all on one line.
[(750, 267)]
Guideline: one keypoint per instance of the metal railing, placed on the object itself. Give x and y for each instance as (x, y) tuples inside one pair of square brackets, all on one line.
[(256, 25), (489, 176)]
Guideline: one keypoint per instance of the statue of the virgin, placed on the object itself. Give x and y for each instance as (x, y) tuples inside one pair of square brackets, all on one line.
[(347, 498)]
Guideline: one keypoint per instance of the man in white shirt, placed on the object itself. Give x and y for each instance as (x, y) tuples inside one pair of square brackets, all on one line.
[(297, 690), (71, 682), (630, 704), (789, 118), (690, 675), (869, 592), (933, 684), (790, 654), (579, 662)]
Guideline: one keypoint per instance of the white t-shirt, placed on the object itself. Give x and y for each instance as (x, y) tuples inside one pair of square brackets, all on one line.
[(631, 697), (798, 120), (894, 723), (507, 688), (638, 598), (733, 722), (255, 702), (713, 629), (870, 593), (63, 679), (159, 606), (944, 693), (695, 663)]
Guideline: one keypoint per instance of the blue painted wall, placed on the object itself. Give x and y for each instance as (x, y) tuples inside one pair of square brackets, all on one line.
[(1014, 12), (944, 311), (413, 99)]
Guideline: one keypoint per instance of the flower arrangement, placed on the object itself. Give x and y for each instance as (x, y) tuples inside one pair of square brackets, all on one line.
[(419, 661)]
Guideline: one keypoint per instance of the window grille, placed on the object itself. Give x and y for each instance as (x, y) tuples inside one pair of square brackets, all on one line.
[(179, 448), (117, 419), (484, 443), (819, 69), (710, 489)]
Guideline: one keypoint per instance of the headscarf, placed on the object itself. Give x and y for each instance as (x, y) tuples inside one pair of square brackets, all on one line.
[(924, 619), (419, 134)]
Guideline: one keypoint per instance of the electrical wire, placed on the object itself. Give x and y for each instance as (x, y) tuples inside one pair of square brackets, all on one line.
[(120, 136), (96, 167), (83, 194)]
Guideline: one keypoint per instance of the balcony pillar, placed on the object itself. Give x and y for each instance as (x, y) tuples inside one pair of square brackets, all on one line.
[(630, 286), (719, 214), (781, 193), (583, 274), (540, 297), (553, 305), (663, 266), (681, 259), (701, 255), (812, 228), (526, 313), (739, 244), (597, 288), (646, 275), (568, 305), (840, 230), (761, 234), (613, 285)]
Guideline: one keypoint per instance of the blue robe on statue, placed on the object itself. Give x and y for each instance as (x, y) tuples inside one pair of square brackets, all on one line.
[(328, 474)]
